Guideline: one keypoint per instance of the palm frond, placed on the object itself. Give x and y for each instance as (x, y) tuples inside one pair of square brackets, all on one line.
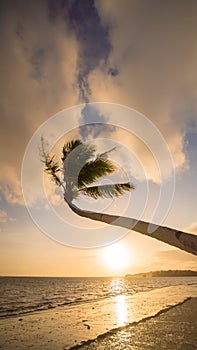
[(105, 154), (93, 170), (81, 168), (81, 150), (107, 191), (75, 160), (69, 147), (52, 168)]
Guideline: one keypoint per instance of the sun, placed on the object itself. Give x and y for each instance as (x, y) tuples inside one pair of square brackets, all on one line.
[(116, 257)]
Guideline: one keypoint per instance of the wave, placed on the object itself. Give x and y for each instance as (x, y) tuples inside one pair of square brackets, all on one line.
[(20, 296), (87, 322), (24, 310)]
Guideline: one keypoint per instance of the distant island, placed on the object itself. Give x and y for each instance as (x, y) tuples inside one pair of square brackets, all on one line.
[(165, 273)]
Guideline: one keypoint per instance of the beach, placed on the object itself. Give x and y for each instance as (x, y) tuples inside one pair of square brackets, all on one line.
[(175, 328), (163, 318)]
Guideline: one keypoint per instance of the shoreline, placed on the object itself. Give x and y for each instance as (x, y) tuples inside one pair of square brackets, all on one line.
[(172, 328), (66, 327)]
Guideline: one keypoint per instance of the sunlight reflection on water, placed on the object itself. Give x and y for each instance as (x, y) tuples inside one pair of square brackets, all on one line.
[(117, 287), (121, 308)]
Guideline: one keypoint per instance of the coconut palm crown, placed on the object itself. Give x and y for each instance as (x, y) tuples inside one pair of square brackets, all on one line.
[(79, 172), (81, 168)]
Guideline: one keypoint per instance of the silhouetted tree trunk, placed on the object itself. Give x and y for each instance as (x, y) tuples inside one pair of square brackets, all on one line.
[(178, 239)]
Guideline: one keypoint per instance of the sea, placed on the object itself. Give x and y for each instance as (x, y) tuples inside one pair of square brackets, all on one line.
[(91, 306)]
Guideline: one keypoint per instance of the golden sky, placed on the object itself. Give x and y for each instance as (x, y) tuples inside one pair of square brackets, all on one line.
[(59, 54)]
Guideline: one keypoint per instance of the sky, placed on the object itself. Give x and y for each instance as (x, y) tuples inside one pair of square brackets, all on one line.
[(116, 73)]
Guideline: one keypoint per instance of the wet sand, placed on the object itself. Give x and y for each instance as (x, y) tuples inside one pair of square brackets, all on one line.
[(158, 319), (174, 329)]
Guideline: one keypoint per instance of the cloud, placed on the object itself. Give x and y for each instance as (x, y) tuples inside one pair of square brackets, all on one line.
[(38, 65), (93, 40), (47, 53), (53, 51), (10, 185), (155, 51), (94, 123), (4, 217)]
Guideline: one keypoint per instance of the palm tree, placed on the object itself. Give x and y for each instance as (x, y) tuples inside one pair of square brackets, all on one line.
[(81, 168)]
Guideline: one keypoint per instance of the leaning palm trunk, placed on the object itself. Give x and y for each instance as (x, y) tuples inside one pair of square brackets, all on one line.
[(81, 168), (178, 239)]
